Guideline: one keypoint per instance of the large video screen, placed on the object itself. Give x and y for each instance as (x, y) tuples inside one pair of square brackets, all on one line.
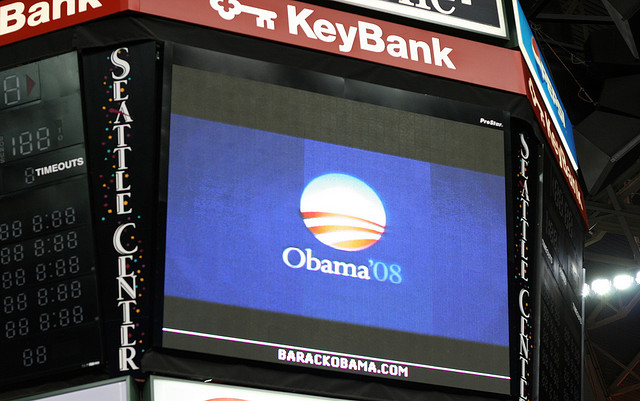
[(328, 223)]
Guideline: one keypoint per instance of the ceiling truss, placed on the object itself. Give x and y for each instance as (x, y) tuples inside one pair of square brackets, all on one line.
[(569, 33)]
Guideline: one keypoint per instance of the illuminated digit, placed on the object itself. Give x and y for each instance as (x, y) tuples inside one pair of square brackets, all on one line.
[(4, 232), (27, 357), (23, 326), (41, 354), (16, 229), (76, 289), (58, 243), (8, 305), (70, 215), (43, 296), (56, 218), (20, 277), (18, 252), (61, 268), (5, 256), (26, 143), (29, 175), (7, 282), (38, 247), (74, 264), (41, 272), (77, 314), (72, 240), (10, 329), (64, 317), (44, 322), (36, 223), (43, 139), (63, 292), (13, 146), (22, 302), (11, 88)]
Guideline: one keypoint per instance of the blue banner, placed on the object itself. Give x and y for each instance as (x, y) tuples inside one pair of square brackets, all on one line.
[(542, 77)]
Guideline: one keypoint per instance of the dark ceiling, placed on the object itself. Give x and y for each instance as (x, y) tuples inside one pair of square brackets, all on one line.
[(591, 47)]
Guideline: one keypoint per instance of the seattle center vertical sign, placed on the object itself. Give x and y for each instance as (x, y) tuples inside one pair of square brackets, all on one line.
[(122, 131), (523, 291)]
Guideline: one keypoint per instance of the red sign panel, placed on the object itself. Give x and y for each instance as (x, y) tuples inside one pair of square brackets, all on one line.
[(293, 23), (24, 19), (355, 36), (557, 149)]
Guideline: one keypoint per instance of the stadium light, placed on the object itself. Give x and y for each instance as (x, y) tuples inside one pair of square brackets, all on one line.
[(601, 286), (623, 282)]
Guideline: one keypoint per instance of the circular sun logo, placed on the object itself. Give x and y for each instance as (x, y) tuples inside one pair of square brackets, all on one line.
[(343, 212)]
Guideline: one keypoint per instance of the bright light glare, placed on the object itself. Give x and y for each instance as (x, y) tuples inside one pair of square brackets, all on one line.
[(622, 282), (638, 278), (586, 290), (601, 286)]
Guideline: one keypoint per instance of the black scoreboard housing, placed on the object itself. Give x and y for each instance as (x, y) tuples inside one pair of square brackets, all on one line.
[(59, 213), (50, 316), (251, 98)]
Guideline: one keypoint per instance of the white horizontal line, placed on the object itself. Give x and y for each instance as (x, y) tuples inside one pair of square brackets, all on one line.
[(270, 344)]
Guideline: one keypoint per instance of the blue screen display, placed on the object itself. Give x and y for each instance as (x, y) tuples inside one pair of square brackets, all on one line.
[(422, 250)]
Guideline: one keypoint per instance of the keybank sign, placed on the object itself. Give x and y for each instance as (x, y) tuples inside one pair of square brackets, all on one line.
[(484, 16), (24, 19), (14, 16)]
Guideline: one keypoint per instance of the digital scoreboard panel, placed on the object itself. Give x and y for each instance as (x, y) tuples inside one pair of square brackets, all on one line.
[(49, 307), (302, 219), (322, 222), (305, 224), (562, 313)]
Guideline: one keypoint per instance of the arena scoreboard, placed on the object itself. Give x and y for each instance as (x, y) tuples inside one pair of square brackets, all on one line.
[(268, 211), (84, 166)]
